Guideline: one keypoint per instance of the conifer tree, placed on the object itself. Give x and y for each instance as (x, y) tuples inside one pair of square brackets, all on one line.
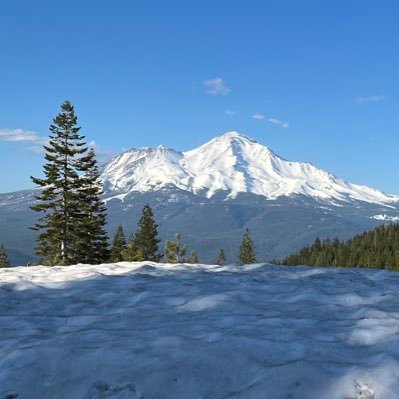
[(376, 248), (60, 198), (193, 258), (93, 240), (221, 258), (174, 252), (145, 240), (118, 245), (131, 253), (247, 249), (74, 215), (4, 261)]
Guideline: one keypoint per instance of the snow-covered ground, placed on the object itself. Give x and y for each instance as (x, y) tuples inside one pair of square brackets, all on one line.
[(136, 330)]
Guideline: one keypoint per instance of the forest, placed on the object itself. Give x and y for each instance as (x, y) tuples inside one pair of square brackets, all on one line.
[(377, 248)]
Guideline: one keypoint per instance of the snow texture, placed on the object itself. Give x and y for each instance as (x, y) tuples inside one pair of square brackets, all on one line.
[(232, 163), (385, 217), (137, 330)]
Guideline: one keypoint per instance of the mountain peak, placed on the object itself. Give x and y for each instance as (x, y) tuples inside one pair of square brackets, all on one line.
[(232, 163), (233, 136)]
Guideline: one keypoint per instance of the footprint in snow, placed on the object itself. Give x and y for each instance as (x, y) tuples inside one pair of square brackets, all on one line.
[(107, 391)]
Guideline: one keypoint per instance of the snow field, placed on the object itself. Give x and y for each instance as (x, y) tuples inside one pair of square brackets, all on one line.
[(143, 330), (233, 163)]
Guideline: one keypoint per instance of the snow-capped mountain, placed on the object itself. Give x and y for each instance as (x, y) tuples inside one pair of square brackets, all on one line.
[(212, 193), (233, 163)]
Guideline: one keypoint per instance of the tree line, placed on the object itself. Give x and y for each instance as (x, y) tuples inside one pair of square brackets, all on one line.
[(378, 248), (71, 225)]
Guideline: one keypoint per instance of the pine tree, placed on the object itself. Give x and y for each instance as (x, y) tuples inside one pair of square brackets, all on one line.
[(221, 258), (146, 241), (4, 261), (93, 240), (193, 258), (378, 248), (118, 245), (174, 252), (131, 253), (247, 249), (60, 197)]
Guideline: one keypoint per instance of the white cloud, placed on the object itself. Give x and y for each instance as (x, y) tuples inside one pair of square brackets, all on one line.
[(102, 155), (21, 136), (35, 143), (258, 116), (279, 122), (36, 149), (230, 112), (24, 137), (370, 99), (216, 87)]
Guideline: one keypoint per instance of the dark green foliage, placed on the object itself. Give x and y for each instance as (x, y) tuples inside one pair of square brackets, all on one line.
[(130, 253), (175, 252), (59, 199), (247, 249), (221, 258), (378, 248), (193, 258), (92, 245), (118, 245), (4, 262), (71, 225), (145, 239)]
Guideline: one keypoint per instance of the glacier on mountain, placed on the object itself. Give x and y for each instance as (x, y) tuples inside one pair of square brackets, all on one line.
[(233, 163)]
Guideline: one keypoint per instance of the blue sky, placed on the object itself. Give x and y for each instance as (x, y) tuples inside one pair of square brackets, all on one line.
[(316, 81)]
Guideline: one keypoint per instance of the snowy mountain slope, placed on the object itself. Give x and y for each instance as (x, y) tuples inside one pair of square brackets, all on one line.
[(232, 163), (145, 169), (140, 330), (212, 193)]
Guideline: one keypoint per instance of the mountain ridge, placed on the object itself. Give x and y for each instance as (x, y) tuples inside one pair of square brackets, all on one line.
[(233, 163), (205, 195)]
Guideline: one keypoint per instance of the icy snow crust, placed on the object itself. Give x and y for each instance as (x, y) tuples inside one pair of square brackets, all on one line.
[(137, 330), (232, 163)]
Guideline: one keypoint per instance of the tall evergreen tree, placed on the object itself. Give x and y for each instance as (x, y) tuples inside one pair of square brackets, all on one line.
[(221, 258), (73, 216), (93, 239), (247, 249), (4, 261), (118, 245), (131, 253), (174, 251), (146, 241)]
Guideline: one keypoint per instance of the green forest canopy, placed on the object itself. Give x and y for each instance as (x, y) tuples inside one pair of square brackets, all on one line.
[(378, 248)]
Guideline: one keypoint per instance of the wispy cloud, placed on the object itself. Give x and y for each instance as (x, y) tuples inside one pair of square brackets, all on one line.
[(279, 122), (216, 87), (230, 112), (102, 155), (36, 149), (258, 116), (34, 143), (370, 99), (21, 136)]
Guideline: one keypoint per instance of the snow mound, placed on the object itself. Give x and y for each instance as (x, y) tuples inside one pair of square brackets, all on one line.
[(145, 330), (233, 163)]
